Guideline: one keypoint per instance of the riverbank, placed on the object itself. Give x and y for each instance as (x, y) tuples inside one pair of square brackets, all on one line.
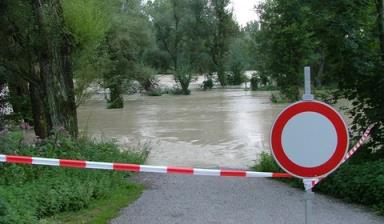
[(29, 194)]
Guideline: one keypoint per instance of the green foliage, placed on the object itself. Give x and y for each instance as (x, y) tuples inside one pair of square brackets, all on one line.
[(224, 28), (127, 45), (29, 193), (284, 45), (155, 92), (102, 210), (88, 22), (345, 49), (358, 181), (208, 84), (361, 183), (254, 83), (181, 29), (237, 60), (266, 163)]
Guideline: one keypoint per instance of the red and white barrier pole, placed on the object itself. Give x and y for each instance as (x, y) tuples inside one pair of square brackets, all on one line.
[(136, 168)]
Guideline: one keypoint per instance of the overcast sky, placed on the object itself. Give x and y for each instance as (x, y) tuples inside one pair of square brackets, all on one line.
[(244, 10)]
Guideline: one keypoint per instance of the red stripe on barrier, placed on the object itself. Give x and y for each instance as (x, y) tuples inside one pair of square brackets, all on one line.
[(126, 167), (281, 175), (19, 159), (232, 173), (179, 170), (72, 163)]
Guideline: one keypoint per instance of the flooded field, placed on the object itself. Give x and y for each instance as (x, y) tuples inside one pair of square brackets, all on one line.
[(219, 128)]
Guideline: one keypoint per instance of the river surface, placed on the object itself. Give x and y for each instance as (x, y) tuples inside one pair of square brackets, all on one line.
[(218, 128)]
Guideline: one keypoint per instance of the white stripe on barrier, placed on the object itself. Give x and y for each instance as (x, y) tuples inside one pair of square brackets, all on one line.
[(99, 165), (153, 169), (205, 172), (258, 174), (47, 162), (2, 158)]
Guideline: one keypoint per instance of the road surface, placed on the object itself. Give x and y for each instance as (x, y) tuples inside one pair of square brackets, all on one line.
[(172, 199)]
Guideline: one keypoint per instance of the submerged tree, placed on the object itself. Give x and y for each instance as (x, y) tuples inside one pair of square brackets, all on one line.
[(128, 41), (223, 29)]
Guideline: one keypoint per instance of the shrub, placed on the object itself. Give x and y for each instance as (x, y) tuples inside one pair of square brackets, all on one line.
[(359, 183), (29, 193), (208, 84), (355, 181), (254, 83), (155, 92)]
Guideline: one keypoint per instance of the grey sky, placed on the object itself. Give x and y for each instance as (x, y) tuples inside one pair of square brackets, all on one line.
[(244, 10)]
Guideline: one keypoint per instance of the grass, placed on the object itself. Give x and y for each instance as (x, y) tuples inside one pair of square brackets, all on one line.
[(29, 194), (102, 210)]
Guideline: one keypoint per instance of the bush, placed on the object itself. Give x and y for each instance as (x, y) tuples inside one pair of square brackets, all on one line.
[(29, 193), (155, 92), (355, 181), (359, 183), (208, 84), (254, 83)]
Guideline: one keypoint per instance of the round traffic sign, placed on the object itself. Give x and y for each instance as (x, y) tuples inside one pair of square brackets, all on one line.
[(309, 139)]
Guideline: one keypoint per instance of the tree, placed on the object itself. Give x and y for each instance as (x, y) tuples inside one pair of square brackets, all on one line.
[(342, 40), (128, 41), (284, 44), (37, 50), (88, 22), (182, 32), (224, 28)]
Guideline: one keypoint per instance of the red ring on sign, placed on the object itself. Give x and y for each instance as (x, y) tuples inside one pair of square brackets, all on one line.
[(341, 146)]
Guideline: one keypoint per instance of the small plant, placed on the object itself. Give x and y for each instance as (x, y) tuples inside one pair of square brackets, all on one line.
[(274, 98)]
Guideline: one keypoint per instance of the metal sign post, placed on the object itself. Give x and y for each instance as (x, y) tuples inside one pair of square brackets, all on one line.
[(308, 195), (309, 140)]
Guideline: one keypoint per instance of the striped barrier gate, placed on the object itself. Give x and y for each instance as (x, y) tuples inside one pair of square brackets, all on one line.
[(136, 168)]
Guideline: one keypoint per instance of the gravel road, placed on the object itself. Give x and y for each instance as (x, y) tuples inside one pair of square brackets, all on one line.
[(171, 199)]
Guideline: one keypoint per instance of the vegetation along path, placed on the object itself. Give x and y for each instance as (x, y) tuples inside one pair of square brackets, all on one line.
[(193, 199)]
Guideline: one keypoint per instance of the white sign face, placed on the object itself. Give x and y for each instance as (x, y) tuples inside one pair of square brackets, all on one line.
[(309, 139)]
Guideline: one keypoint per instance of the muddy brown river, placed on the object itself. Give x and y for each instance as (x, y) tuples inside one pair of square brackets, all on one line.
[(219, 128)]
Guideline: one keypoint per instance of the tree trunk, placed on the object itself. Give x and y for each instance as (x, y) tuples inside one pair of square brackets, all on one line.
[(116, 100), (55, 66), (41, 124)]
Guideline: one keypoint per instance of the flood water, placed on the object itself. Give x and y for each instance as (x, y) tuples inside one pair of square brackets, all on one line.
[(218, 128)]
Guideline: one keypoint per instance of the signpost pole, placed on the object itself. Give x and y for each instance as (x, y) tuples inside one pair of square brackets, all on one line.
[(308, 195), (307, 84)]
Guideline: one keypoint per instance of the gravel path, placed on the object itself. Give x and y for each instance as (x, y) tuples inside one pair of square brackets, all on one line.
[(171, 199)]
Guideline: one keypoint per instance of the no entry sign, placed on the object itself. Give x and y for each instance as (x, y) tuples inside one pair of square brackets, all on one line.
[(309, 139)]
